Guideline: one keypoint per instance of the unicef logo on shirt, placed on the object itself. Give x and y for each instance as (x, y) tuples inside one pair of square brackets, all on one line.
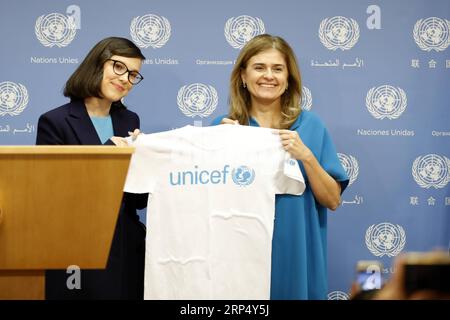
[(150, 30), (13, 98), (432, 34), (306, 102), (338, 32), (197, 99), (55, 29), (431, 170), (350, 165), (385, 239), (240, 30), (243, 176), (386, 102)]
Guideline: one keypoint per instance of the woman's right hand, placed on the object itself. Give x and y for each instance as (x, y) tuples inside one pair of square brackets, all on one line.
[(228, 121), (134, 134), (119, 141), (122, 142)]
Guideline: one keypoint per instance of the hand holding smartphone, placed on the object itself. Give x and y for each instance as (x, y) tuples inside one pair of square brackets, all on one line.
[(418, 276), (427, 271)]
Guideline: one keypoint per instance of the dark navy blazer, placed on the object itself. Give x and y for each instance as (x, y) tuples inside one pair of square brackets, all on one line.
[(123, 277), (70, 125)]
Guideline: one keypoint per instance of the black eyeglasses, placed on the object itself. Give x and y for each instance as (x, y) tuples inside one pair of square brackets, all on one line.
[(120, 68)]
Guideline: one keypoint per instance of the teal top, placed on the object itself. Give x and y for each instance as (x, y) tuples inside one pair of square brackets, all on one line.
[(299, 245), (104, 127)]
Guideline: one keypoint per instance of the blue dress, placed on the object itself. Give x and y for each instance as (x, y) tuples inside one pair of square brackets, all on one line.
[(299, 245)]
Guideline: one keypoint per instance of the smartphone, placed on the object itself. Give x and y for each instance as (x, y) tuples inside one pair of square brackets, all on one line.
[(369, 274), (427, 271)]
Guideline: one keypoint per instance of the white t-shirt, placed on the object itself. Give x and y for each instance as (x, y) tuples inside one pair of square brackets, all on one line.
[(211, 209)]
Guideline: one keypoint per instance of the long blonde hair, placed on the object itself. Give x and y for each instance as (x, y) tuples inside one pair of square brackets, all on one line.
[(239, 99)]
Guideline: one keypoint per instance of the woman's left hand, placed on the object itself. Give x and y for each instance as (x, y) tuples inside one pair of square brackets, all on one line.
[(292, 143), (122, 142), (325, 189)]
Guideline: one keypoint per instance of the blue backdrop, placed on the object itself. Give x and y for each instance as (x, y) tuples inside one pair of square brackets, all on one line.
[(376, 72)]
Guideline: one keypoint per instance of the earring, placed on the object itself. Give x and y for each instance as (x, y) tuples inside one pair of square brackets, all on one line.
[(244, 84), (286, 87)]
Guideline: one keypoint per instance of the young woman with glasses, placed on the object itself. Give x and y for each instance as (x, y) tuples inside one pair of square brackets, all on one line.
[(95, 115)]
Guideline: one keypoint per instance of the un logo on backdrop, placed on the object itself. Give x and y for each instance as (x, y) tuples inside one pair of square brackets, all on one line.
[(339, 32), (432, 34), (350, 165), (385, 239), (243, 176), (306, 102), (55, 29), (197, 99), (150, 30), (13, 98), (386, 102), (238, 31), (431, 170), (338, 295)]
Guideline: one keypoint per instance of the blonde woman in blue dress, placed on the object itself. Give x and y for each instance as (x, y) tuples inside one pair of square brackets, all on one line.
[(265, 90)]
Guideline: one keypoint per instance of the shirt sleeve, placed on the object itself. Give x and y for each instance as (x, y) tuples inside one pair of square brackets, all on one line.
[(287, 176), (142, 172), (48, 132)]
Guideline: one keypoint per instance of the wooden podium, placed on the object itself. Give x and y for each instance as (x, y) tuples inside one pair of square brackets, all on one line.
[(58, 207)]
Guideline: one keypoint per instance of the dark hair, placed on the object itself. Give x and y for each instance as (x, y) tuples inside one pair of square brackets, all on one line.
[(86, 80)]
